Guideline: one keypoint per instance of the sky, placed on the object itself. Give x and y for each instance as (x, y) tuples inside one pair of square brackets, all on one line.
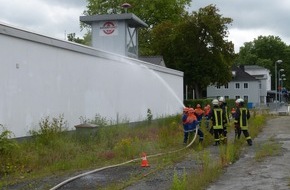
[(57, 18)]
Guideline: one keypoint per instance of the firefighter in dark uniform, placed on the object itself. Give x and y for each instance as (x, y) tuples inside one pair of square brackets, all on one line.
[(217, 117), (223, 106), (242, 116)]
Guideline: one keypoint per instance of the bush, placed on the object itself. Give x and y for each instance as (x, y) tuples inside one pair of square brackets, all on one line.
[(7, 147), (48, 130)]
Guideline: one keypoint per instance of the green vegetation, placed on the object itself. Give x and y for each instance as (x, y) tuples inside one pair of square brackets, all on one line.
[(211, 168), (270, 148), (179, 183), (54, 151)]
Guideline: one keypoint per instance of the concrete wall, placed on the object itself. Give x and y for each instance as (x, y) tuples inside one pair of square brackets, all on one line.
[(41, 76)]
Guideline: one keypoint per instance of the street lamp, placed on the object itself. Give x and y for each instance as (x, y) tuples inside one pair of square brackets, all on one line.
[(283, 75), (278, 61), (279, 83)]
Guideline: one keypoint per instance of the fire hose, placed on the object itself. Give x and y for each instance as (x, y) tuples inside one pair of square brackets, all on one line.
[(127, 162)]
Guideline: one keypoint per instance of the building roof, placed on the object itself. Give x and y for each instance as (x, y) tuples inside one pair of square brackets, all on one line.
[(240, 75), (254, 67), (156, 60), (132, 20)]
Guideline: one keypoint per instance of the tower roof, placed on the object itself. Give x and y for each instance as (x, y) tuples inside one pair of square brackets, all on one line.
[(131, 18)]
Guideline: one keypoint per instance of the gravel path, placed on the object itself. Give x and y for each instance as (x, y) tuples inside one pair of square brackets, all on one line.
[(273, 173)]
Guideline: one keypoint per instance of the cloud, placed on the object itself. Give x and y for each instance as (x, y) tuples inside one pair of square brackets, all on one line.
[(48, 17), (56, 18)]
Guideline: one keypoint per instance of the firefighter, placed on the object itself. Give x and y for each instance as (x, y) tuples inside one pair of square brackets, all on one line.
[(185, 124), (206, 110), (223, 106), (198, 113), (242, 116), (233, 112), (193, 125), (217, 117)]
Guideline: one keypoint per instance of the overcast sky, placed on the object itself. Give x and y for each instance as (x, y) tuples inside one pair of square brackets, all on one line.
[(56, 18)]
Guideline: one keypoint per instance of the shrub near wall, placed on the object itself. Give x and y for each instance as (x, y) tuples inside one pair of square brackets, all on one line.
[(203, 102)]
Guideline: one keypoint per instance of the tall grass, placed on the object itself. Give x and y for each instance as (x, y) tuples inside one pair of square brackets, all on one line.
[(53, 150), (210, 168), (270, 148)]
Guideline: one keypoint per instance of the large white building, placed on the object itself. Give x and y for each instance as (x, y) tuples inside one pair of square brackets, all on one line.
[(45, 77), (249, 82)]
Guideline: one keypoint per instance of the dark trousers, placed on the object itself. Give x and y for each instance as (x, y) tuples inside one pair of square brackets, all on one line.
[(225, 132), (238, 132), (217, 133), (191, 133)]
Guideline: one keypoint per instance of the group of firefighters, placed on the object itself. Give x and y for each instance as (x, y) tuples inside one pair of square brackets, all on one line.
[(216, 121)]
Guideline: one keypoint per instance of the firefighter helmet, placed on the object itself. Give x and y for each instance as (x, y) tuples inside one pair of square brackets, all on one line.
[(215, 102), (221, 99)]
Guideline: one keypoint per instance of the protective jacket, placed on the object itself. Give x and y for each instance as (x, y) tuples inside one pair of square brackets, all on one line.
[(199, 113), (217, 117), (225, 111), (241, 117)]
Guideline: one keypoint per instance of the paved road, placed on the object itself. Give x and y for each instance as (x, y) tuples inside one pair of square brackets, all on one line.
[(273, 173)]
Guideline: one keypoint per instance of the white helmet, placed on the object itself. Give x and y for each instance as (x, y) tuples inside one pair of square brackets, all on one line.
[(215, 102), (239, 100), (221, 99)]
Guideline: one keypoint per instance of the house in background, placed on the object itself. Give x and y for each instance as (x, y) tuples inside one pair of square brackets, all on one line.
[(263, 75), (248, 82)]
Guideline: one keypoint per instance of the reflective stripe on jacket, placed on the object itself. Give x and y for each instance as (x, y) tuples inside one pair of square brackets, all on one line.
[(241, 117), (217, 118), (244, 118)]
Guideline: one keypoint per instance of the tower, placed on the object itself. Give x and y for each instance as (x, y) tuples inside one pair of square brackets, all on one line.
[(116, 33)]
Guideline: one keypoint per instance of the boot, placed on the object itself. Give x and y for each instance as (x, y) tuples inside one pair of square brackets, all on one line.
[(225, 140), (250, 143), (217, 143)]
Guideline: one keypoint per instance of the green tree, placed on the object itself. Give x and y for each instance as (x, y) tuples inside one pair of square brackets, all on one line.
[(85, 41), (151, 12), (264, 51), (198, 47)]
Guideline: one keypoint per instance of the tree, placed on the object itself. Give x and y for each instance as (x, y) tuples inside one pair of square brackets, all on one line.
[(264, 51), (85, 41), (151, 12), (198, 47)]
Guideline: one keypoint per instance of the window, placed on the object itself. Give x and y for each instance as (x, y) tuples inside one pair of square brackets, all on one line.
[(260, 86), (218, 86), (237, 97), (227, 85), (245, 85), (237, 85), (226, 97), (246, 98)]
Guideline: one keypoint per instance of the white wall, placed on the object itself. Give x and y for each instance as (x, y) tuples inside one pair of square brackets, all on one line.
[(256, 72), (42, 76)]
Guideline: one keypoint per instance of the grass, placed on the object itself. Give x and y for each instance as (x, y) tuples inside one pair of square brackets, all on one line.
[(54, 151), (211, 168), (270, 148)]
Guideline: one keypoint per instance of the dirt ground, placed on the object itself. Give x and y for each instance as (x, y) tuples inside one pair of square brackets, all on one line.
[(245, 174)]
